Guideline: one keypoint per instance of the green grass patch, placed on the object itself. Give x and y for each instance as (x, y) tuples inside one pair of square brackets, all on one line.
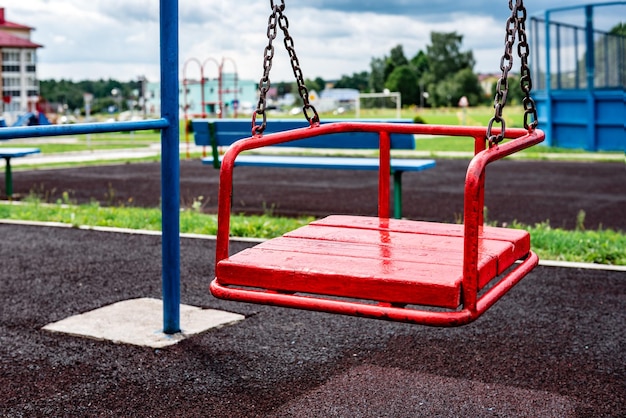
[(445, 144), (440, 118), (191, 219), (601, 246), (56, 148), (107, 141), (133, 137), (24, 167)]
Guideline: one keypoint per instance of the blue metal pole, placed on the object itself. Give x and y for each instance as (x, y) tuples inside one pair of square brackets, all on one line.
[(170, 167), (81, 128), (549, 125)]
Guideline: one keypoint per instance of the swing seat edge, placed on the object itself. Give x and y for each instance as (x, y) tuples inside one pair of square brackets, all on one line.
[(391, 265)]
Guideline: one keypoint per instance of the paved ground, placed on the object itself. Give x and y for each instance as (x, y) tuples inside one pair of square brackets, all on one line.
[(555, 346)]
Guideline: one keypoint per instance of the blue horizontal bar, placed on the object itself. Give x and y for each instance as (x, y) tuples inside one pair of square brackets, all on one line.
[(17, 152), (81, 128), (580, 6), (338, 163)]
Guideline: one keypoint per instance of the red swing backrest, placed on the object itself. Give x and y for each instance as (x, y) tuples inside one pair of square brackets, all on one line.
[(474, 193)]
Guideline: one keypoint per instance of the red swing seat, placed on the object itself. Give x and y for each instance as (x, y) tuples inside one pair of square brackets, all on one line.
[(400, 270)]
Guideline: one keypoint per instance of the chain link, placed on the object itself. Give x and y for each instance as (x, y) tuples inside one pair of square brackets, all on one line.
[(515, 25), (278, 19)]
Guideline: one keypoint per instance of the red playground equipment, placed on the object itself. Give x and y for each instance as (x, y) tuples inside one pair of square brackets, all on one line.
[(376, 267), (203, 102)]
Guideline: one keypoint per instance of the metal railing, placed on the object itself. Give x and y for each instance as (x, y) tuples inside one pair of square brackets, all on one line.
[(569, 56)]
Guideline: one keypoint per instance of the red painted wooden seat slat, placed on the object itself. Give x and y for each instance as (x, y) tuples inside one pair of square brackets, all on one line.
[(488, 235), (381, 265)]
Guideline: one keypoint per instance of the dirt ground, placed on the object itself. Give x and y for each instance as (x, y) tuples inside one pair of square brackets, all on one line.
[(526, 191), (554, 346)]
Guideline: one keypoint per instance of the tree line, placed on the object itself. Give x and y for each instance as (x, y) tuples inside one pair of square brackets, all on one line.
[(437, 76), (106, 93), (443, 71), (446, 73)]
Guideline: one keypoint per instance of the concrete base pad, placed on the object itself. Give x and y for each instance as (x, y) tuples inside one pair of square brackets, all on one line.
[(140, 322)]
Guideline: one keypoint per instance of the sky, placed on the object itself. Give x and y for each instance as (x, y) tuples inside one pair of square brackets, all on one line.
[(119, 39)]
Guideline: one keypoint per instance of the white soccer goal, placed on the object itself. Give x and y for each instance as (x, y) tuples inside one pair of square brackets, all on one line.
[(380, 100)]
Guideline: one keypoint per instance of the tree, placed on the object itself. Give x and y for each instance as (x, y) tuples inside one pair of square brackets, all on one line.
[(314, 84), (445, 56), (283, 88), (450, 71), (469, 86), (403, 80), (395, 59), (446, 91), (515, 95), (70, 95), (321, 83), (358, 81), (420, 64), (619, 29), (63, 93), (377, 75)]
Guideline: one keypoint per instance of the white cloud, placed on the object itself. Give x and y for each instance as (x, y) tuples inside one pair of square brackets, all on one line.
[(120, 38), (62, 40)]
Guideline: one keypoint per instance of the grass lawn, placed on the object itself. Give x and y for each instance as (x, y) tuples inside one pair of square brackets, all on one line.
[(60, 144), (602, 246)]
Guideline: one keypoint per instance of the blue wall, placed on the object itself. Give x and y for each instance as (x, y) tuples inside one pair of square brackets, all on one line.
[(593, 120)]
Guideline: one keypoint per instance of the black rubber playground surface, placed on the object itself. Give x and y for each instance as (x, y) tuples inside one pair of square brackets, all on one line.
[(554, 346)]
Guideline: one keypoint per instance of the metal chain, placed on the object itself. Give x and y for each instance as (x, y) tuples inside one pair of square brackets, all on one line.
[(515, 25), (297, 72), (526, 84), (277, 17), (264, 83)]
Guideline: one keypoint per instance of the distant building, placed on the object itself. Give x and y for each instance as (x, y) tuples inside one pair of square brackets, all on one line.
[(18, 61), (332, 98), (487, 81)]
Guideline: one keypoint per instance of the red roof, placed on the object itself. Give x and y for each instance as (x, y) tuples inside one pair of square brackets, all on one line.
[(11, 25), (11, 41)]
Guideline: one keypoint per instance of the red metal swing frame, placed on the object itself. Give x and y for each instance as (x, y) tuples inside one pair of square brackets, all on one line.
[(292, 271)]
